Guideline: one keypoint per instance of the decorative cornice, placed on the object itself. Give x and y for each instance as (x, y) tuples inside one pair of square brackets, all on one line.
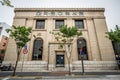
[(59, 9), (61, 17)]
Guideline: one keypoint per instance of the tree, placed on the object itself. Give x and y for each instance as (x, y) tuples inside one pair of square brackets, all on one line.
[(65, 38), (21, 36), (114, 36), (6, 2)]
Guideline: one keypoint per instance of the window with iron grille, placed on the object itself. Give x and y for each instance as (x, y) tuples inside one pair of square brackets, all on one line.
[(59, 23), (37, 49), (79, 24), (40, 24), (82, 49)]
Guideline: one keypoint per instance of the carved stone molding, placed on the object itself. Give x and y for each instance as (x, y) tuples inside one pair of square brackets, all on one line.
[(39, 34), (59, 9)]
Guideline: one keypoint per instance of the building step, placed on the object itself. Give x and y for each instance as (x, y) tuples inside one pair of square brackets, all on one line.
[(58, 73), (95, 65)]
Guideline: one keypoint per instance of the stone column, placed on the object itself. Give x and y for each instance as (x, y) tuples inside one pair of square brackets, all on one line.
[(93, 40), (105, 45)]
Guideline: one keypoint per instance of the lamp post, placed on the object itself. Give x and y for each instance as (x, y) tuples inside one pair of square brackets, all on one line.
[(81, 54)]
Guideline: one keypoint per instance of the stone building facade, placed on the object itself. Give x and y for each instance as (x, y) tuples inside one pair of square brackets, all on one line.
[(45, 54)]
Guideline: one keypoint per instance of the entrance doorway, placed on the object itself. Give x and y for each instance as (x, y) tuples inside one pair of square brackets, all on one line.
[(59, 60)]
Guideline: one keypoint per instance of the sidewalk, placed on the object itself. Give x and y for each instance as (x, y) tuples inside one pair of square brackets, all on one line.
[(80, 77), (47, 76), (9, 73)]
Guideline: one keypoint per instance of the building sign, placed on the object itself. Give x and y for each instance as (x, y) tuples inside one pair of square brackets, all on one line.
[(38, 13), (59, 13)]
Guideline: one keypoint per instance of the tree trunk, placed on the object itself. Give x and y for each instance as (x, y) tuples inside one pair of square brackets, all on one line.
[(15, 66), (69, 66), (68, 51), (18, 53)]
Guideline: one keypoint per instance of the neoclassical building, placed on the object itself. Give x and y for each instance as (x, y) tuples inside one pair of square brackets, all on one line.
[(45, 54)]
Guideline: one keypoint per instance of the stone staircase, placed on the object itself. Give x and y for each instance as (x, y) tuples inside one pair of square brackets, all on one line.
[(95, 66), (29, 66), (42, 66)]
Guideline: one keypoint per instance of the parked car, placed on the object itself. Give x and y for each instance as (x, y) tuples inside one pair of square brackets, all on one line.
[(6, 68)]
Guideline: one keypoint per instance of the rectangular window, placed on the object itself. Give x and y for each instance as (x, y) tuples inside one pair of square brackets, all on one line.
[(40, 24), (59, 23), (0, 30), (79, 24)]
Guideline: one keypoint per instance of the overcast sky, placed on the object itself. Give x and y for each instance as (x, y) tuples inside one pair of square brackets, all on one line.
[(112, 8)]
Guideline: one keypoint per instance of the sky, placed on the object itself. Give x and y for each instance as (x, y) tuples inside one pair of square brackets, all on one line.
[(112, 8)]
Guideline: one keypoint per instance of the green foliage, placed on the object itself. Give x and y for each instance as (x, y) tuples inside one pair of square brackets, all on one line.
[(114, 35), (20, 34), (69, 32), (66, 34), (6, 2)]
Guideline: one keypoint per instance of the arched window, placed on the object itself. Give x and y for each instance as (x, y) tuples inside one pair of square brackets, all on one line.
[(82, 49), (37, 49)]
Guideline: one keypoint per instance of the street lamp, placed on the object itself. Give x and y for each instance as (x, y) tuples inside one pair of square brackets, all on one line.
[(81, 54)]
